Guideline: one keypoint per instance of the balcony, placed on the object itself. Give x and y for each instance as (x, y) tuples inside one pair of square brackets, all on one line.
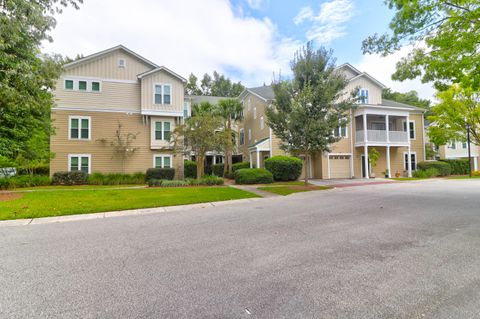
[(381, 136), (381, 129)]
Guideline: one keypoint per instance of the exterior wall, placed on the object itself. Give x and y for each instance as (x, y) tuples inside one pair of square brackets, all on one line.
[(162, 77), (103, 159), (374, 91)]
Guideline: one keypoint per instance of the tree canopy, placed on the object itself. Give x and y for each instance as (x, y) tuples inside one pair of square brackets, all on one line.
[(216, 85), (410, 98), (311, 106), (444, 37)]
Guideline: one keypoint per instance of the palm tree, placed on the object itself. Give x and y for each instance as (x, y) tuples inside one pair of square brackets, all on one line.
[(231, 112)]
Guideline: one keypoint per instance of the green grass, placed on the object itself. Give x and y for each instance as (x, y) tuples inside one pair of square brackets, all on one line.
[(298, 183), (71, 202), (76, 187), (287, 190)]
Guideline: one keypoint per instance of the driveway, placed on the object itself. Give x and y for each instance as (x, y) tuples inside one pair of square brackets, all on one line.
[(401, 250)]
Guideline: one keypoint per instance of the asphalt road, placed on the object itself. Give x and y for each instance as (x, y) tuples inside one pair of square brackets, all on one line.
[(403, 250)]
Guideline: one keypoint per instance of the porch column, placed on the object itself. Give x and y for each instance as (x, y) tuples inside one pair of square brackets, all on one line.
[(387, 127), (250, 156), (365, 137), (388, 162), (475, 163), (409, 154), (258, 159), (214, 159), (365, 168)]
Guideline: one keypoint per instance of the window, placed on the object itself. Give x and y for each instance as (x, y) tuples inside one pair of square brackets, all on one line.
[(162, 161), (185, 109), (79, 127), (363, 96), (340, 131), (79, 162), (453, 145), (69, 84), (249, 134), (122, 63), (163, 131), (262, 123), (242, 137), (411, 127), (82, 85), (249, 103), (464, 145), (414, 161), (254, 112), (96, 86), (163, 94)]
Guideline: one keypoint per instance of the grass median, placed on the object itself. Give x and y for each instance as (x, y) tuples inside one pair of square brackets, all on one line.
[(59, 202), (292, 187)]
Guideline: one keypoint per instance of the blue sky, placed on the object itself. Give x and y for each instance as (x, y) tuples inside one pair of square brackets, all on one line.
[(251, 41)]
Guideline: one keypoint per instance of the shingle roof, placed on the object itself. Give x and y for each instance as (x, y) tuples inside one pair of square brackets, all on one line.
[(397, 104), (265, 91)]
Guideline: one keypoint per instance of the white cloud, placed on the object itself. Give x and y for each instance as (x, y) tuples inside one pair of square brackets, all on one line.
[(255, 4), (330, 22), (382, 69), (186, 36)]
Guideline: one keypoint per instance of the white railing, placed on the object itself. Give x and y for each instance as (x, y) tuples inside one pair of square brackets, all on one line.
[(381, 136)]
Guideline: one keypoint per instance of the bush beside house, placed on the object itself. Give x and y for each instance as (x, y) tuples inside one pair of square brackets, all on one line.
[(443, 168), (458, 166), (240, 165), (190, 169), (70, 178), (284, 168), (217, 169), (160, 173), (253, 176)]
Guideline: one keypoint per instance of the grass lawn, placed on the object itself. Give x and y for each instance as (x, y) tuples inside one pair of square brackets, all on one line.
[(70, 202), (75, 187), (291, 188), (298, 183)]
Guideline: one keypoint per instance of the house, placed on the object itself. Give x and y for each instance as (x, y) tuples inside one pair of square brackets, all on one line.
[(395, 130), (459, 150), (113, 90)]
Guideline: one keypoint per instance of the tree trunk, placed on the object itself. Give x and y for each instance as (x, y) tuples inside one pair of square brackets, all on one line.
[(200, 166), (306, 163)]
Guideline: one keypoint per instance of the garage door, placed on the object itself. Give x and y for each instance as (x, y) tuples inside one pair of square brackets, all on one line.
[(340, 166)]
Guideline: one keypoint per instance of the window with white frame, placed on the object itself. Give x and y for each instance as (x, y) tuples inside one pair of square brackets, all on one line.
[(186, 110), (363, 96), (162, 161), (163, 94), (262, 123), (82, 85), (453, 145), (249, 134), (163, 130), (464, 145), (69, 84), (413, 157), (254, 112), (411, 129), (122, 63), (79, 127), (79, 162), (242, 137), (340, 131), (249, 104)]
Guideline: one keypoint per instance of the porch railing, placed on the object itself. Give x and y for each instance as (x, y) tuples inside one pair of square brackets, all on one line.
[(381, 136)]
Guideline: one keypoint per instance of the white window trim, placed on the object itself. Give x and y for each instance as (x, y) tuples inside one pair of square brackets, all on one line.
[(339, 131), (163, 93), (249, 134), (416, 160), (367, 96), (124, 63), (239, 135), (254, 112), (76, 85), (80, 118), (262, 123), (249, 104), (80, 162), (154, 122), (162, 156), (414, 130)]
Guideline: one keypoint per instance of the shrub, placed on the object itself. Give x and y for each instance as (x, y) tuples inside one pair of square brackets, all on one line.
[(190, 169), (24, 181), (210, 180), (241, 165), (476, 173), (458, 166), (230, 175), (208, 170), (284, 168), (116, 179), (253, 176), (443, 168), (160, 173), (217, 169), (166, 183), (70, 178), (428, 173)]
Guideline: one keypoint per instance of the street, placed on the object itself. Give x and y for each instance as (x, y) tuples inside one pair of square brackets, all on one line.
[(402, 250)]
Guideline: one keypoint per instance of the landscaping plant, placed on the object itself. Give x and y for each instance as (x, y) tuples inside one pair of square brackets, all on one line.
[(253, 176), (160, 173), (284, 168)]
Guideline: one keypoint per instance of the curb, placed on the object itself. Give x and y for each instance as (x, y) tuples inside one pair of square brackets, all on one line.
[(120, 213)]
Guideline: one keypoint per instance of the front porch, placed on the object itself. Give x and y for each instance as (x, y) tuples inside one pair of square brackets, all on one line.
[(393, 161), (381, 129)]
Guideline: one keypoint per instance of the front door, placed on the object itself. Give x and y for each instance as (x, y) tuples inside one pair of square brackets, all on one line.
[(363, 167)]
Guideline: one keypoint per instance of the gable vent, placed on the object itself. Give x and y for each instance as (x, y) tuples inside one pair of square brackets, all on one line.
[(122, 63)]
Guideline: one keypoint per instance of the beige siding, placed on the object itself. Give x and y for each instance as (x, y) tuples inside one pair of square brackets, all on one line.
[(113, 95), (162, 77), (374, 91), (103, 157), (106, 66)]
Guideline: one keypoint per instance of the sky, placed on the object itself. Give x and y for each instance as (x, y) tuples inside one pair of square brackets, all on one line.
[(251, 41)]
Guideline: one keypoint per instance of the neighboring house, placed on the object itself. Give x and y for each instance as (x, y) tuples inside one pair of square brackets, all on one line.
[(459, 150), (96, 94), (396, 130)]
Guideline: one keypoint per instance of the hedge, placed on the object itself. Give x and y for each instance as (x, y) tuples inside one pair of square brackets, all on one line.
[(190, 169), (443, 168), (160, 173), (207, 181), (431, 172), (284, 168), (253, 176), (116, 179), (240, 165), (458, 166), (217, 169), (24, 181), (70, 178)]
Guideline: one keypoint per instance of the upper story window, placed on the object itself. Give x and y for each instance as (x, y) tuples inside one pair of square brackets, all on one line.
[(254, 112), (363, 96), (68, 84), (163, 94), (453, 145), (82, 85), (340, 131), (79, 127), (464, 145), (262, 123), (122, 63), (249, 105), (249, 134), (79, 162), (162, 161), (163, 131), (95, 86), (411, 128), (242, 137), (186, 110)]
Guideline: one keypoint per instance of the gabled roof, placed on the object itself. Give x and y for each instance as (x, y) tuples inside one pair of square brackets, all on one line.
[(371, 78), (161, 68), (107, 51), (351, 67), (264, 92), (391, 103), (258, 143)]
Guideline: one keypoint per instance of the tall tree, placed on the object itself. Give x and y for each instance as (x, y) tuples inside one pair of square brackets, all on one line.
[(192, 85), (206, 84), (445, 40), (198, 134), (231, 112), (215, 85), (458, 109), (26, 76), (308, 108), (410, 98)]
